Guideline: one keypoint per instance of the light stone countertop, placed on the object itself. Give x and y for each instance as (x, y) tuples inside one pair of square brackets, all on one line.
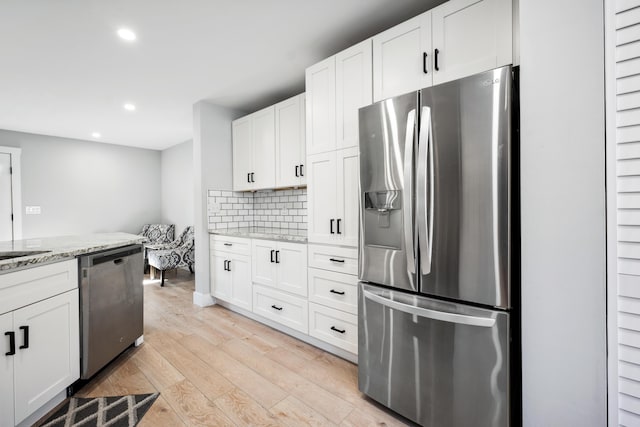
[(61, 248), (281, 234)]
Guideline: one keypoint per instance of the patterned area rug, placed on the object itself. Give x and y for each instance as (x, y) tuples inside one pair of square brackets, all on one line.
[(113, 411)]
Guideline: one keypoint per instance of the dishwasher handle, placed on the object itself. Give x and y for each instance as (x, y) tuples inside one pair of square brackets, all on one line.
[(113, 255)]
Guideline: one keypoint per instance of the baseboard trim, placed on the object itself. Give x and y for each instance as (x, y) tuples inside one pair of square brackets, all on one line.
[(203, 300)]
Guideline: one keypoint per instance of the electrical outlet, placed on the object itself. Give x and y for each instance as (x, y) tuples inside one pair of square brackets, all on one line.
[(32, 210)]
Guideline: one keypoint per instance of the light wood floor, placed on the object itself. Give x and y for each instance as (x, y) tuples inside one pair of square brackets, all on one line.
[(214, 367)]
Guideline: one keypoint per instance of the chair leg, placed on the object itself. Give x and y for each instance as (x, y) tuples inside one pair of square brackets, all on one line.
[(190, 269), (161, 277)]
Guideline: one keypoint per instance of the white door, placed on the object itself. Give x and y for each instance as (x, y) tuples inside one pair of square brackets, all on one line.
[(264, 149), (241, 281), (348, 205), (402, 58), (220, 277), (289, 141), (292, 268), (50, 359), (320, 81), (471, 36), (263, 265), (321, 195), (6, 371), (242, 153), (354, 89), (6, 209)]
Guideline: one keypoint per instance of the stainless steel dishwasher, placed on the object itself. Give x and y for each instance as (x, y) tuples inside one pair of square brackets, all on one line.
[(111, 311)]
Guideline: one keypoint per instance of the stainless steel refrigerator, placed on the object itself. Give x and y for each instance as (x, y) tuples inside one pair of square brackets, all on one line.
[(436, 252)]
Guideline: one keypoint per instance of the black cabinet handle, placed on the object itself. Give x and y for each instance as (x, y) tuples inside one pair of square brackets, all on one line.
[(338, 225), (275, 307), (229, 265), (301, 170), (225, 265), (297, 166), (435, 61), (336, 260), (25, 337), (424, 63), (272, 252), (249, 177), (228, 244), (333, 291), (342, 331), (252, 177), (12, 343), (331, 226), (277, 257)]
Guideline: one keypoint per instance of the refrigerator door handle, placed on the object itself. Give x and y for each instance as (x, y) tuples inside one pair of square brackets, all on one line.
[(484, 322), (407, 200), (425, 210)]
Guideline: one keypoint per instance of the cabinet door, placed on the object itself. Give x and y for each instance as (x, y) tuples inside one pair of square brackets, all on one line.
[(348, 202), (354, 89), (6, 372), (321, 195), (241, 294), (290, 141), (52, 359), (263, 265), (220, 278), (242, 153), (264, 149), (399, 62), (320, 82), (471, 36), (292, 268)]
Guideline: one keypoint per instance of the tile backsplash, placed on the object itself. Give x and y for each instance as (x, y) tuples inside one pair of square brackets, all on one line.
[(268, 208)]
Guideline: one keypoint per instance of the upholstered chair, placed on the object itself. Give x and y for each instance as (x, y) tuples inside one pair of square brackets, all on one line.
[(178, 254)]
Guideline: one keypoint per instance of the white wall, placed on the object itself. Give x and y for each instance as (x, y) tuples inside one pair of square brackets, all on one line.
[(177, 185), (212, 169), (84, 186), (563, 213)]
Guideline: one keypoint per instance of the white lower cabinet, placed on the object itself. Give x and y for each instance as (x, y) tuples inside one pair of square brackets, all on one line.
[(289, 310), (230, 270), (334, 327), (281, 265), (39, 338)]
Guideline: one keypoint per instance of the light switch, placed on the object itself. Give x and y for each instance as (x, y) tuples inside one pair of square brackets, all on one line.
[(32, 210)]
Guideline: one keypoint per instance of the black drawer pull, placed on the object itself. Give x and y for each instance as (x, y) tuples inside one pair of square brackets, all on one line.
[(25, 337), (333, 291), (275, 307), (272, 252), (336, 260), (342, 331), (12, 343), (228, 244)]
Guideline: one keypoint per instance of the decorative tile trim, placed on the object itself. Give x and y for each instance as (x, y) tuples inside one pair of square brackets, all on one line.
[(267, 208)]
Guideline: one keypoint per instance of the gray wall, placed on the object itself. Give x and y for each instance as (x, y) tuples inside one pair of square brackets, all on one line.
[(212, 170), (177, 185), (84, 186), (563, 213)]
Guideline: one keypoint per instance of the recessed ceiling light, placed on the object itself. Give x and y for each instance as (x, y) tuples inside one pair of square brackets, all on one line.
[(126, 34), (129, 107), (96, 135)]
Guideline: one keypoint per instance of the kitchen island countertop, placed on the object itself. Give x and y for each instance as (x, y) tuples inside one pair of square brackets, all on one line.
[(60, 248)]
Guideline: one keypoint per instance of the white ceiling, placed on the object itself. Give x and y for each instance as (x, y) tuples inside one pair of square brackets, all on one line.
[(64, 71)]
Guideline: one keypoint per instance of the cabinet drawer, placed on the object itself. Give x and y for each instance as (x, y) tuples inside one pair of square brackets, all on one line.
[(234, 245), (335, 290), (334, 327), (27, 286), (333, 258), (280, 307)]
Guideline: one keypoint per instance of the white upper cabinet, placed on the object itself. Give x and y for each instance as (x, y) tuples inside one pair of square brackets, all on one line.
[(254, 151), (402, 58), (353, 90), (320, 86), (456, 39), (290, 142), (471, 36)]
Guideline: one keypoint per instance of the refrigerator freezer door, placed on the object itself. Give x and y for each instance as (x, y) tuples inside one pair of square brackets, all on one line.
[(464, 189), (387, 232), (436, 363)]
